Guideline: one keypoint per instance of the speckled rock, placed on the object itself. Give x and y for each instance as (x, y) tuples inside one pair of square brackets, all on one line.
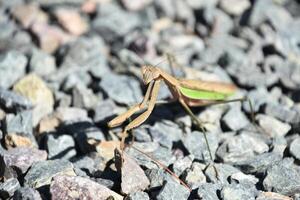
[(12, 67), (23, 157), (41, 173), (68, 187), (133, 177)]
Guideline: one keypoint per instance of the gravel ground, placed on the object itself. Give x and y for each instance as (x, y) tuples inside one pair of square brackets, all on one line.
[(67, 67)]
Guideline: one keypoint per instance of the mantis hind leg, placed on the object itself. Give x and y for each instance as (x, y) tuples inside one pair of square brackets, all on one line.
[(203, 131)]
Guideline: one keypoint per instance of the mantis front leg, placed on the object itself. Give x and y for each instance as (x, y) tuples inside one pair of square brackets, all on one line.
[(142, 118), (124, 116)]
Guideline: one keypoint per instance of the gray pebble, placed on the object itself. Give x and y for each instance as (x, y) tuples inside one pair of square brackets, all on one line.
[(195, 144), (138, 196), (259, 163), (8, 187), (235, 7), (26, 193), (295, 148), (172, 190), (208, 191), (83, 131), (60, 146), (235, 119), (181, 164), (157, 177), (41, 173), (12, 67), (85, 163), (224, 171), (113, 22), (20, 123), (122, 89), (240, 177), (241, 147), (282, 113), (283, 178), (12, 101), (105, 109), (194, 176), (238, 192), (42, 63), (83, 97), (272, 126), (165, 133)]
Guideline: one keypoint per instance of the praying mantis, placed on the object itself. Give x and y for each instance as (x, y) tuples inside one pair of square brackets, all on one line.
[(189, 93)]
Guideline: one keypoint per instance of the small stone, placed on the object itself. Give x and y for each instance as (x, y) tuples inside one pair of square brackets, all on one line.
[(50, 37), (259, 163), (157, 177), (133, 177), (42, 63), (237, 192), (273, 127), (68, 187), (135, 5), (15, 140), (182, 164), (26, 193), (83, 97), (73, 78), (138, 196), (281, 112), (283, 178), (33, 87), (60, 147), (235, 7), (85, 163), (163, 154), (72, 21), (86, 53), (208, 191), (194, 177), (195, 144), (8, 188), (28, 14), (22, 158), (241, 147), (172, 190), (241, 177), (106, 109), (224, 172), (129, 93), (106, 149), (165, 133), (85, 133), (12, 101), (272, 196), (41, 173), (20, 123), (71, 114), (295, 148), (141, 134), (12, 67), (48, 124), (235, 119), (113, 22)]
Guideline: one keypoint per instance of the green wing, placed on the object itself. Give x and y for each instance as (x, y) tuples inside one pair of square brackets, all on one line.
[(203, 94)]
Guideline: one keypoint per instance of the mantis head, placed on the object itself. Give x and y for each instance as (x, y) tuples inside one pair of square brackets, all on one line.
[(150, 73)]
